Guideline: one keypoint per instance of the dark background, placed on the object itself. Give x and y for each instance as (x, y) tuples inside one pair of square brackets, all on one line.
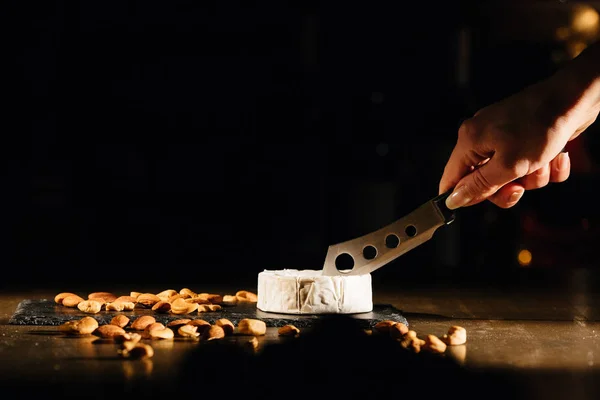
[(154, 142)]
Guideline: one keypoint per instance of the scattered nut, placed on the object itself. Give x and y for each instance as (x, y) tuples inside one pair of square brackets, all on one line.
[(197, 300), (383, 327), (213, 298), (229, 300), (288, 330), (252, 343), (153, 326), (162, 307), (208, 308), (186, 293), (456, 335), (180, 306), (72, 301), (166, 294), (434, 344), (58, 299), (253, 327), (203, 308), (125, 299), (90, 306), (207, 298), (161, 333), (139, 351), (175, 297), (108, 331), (204, 296), (214, 332), (134, 337), (398, 330), (198, 322), (226, 324), (119, 305), (175, 324), (127, 337), (115, 306), (244, 296), (135, 295), (188, 331), (83, 326), (410, 335), (127, 345), (142, 322), (147, 300), (120, 320), (201, 324), (70, 327), (104, 297), (413, 344), (87, 325)]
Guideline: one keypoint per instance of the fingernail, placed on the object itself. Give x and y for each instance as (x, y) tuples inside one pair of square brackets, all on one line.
[(516, 196), (564, 161), (458, 199)]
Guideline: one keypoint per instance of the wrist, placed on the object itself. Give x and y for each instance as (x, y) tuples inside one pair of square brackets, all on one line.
[(578, 82), (573, 92)]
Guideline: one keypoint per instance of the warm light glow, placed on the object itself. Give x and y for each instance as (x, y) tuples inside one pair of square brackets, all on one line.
[(524, 257), (585, 19), (576, 48)]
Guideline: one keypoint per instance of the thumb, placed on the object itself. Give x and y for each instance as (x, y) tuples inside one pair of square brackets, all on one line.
[(480, 184)]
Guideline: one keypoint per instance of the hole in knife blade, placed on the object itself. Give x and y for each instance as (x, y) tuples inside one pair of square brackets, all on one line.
[(392, 241), (411, 230), (344, 261), (369, 252)]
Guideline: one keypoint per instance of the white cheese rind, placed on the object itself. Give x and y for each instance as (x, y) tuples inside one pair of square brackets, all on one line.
[(291, 291)]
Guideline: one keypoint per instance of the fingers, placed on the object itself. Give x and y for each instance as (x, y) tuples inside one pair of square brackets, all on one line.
[(557, 170), (455, 169), (508, 195), (463, 158), (537, 179), (560, 168), (482, 183)]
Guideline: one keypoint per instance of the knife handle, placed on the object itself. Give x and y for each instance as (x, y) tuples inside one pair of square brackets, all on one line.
[(440, 203)]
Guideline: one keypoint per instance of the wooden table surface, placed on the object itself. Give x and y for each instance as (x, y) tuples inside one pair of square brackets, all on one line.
[(539, 342)]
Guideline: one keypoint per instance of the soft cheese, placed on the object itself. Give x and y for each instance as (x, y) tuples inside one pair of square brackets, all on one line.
[(291, 291)]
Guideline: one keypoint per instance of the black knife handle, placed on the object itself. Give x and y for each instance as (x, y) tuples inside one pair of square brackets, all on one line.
[(440, 203)]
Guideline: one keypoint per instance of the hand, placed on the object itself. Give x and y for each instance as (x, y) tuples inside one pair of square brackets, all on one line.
[(516, 144)]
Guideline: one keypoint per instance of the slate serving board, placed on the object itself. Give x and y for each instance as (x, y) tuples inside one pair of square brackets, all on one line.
[(47, 312)]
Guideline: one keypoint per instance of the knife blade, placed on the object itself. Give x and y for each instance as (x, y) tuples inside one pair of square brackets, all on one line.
[(376, 249)]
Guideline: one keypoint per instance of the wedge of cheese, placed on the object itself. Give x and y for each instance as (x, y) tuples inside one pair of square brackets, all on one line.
[(291, 291)]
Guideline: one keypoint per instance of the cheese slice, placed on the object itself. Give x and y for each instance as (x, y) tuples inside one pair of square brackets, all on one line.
[(292, 291)]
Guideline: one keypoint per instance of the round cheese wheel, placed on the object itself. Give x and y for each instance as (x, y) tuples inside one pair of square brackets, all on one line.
[(291, 291)]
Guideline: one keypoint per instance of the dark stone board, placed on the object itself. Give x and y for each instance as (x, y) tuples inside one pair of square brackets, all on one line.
[(47, 312)]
